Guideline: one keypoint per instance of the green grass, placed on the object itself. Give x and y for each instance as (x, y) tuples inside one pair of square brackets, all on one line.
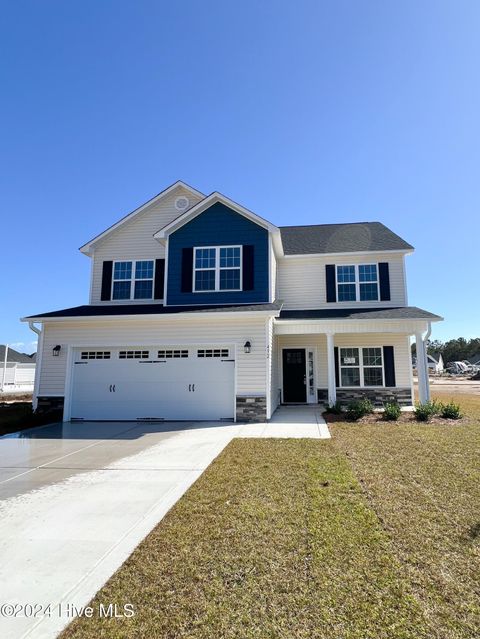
[(276, 539), (372, 535), (423, 483)]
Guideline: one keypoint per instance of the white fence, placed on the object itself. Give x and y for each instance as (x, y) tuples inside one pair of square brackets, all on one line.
[(17, 375)]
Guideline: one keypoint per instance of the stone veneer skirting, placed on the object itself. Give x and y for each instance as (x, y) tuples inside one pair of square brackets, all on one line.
[(251, 409), (378, 396), (50, 405), (248, 409)]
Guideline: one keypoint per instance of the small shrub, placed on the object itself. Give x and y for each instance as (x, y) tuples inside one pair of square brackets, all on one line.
[(451, 411), (358, 409), (425, 412), (334, 409), (391, 411)]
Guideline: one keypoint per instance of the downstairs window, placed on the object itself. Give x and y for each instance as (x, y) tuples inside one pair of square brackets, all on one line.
[(361, 366)]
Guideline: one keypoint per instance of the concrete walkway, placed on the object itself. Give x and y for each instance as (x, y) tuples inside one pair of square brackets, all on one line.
[(76, 499), (291, 421)]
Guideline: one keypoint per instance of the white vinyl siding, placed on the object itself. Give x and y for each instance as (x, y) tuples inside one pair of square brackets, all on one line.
[(134, 241), (357, 340), (275, 375), (301, 280), (270, 365), (251, 368)]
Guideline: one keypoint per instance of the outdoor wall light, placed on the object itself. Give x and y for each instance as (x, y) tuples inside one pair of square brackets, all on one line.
[(56, 350), (247, 347)]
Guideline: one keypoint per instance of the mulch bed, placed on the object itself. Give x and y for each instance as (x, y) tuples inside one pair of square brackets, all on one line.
[(406, 417)]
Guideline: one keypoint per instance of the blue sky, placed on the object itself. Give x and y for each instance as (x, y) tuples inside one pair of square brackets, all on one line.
[(305, 112)]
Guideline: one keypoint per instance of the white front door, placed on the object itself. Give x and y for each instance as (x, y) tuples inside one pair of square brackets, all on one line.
[(172, 383)]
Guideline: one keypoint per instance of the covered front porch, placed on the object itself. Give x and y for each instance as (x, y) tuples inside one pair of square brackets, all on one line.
[(342, 359)]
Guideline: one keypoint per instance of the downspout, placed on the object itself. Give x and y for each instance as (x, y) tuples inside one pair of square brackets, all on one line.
[(33, 328), (38, 363)]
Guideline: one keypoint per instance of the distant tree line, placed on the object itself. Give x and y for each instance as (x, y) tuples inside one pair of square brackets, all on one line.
[(454, 350)]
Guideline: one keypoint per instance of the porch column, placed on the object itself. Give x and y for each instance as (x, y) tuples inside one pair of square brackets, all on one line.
[(332, 389), (422, 370)]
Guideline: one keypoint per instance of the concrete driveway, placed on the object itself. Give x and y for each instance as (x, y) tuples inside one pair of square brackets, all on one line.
[(76, 499)]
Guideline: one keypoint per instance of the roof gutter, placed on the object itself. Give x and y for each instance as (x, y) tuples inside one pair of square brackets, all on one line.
[(153, 316), (293, 320)]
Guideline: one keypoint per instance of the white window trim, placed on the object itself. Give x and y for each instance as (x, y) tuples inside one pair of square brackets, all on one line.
[(361, 366), (133, 280), (357, 282), (218, 268)]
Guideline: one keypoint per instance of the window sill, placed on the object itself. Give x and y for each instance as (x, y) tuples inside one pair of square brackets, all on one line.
[(223, 290), (129, 301), (360, 387)]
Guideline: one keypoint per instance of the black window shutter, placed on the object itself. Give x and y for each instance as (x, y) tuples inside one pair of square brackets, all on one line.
[(384, 281), (389, 365), (159, 278), (337, 371), (107, 281), (247, 267), (187, 270), (331, 283)]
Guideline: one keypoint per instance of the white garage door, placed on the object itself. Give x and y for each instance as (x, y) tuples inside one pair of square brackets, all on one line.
[(174, 383)]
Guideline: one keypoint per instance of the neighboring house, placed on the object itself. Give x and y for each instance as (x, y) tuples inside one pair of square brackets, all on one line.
[(434, 363), (19, 373), (201, 309), (475, 360)]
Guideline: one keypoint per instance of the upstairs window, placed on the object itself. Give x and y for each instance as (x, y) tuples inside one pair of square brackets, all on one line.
[(346, 284), (217, 268), (133, 280), (368, 282), (357, 282)]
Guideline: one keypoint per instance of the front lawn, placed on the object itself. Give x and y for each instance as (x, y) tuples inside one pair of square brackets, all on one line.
[(372, 535), (423, 483)]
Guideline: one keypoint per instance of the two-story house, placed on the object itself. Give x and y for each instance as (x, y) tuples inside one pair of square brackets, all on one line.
[(202, 310)]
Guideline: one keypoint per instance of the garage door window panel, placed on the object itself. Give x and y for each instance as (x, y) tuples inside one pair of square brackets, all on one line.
[(134, 354), (95, 355), (212, 352), (173, 354)]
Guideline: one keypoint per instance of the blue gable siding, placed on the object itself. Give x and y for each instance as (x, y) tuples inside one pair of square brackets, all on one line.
[(218, 226)]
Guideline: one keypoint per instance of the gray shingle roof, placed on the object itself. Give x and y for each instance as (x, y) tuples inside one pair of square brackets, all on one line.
[(15, 356), (340, 238), (106, 310), (401, 312)]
